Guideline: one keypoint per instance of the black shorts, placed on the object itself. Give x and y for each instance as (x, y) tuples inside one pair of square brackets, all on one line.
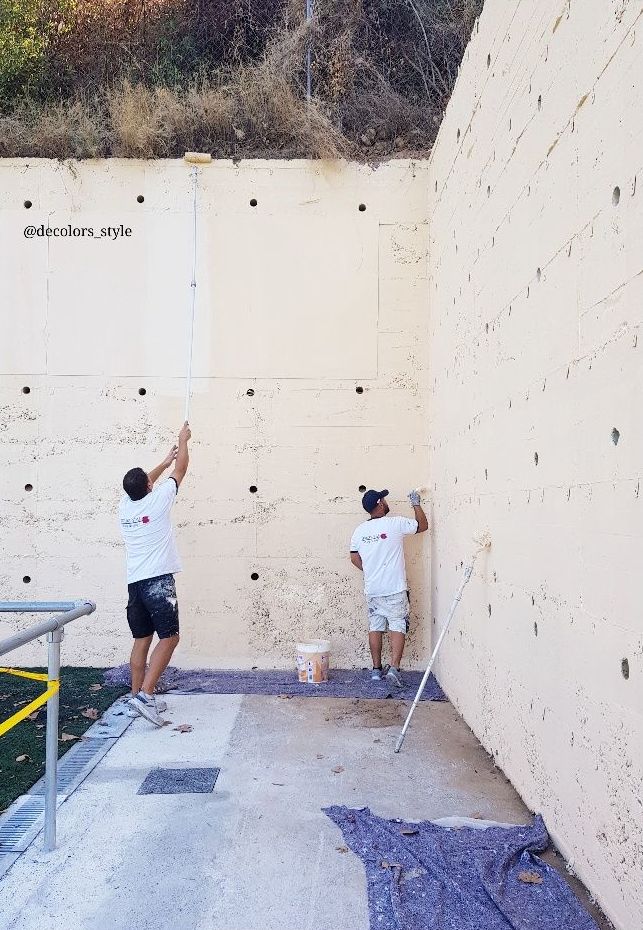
[(153, 607)]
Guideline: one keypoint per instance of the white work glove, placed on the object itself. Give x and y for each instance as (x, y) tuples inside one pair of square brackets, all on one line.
[(414, 497)]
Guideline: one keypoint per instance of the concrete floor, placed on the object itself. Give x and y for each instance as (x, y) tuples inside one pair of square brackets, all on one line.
[(257, 853)]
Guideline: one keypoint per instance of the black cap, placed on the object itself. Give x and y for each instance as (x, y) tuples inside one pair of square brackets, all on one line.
[(371, 499)]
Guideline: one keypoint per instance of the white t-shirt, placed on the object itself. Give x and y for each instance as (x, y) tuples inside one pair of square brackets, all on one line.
[(147, 531), (380, 545)]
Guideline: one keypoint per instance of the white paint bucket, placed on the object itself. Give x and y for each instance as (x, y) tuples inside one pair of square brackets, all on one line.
[(313, 659)]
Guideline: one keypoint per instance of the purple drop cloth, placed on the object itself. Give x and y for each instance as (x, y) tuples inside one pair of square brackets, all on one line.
[(342, 683), (458, 879)]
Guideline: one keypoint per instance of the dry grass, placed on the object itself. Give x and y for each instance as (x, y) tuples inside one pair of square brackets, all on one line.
[(377, 93)]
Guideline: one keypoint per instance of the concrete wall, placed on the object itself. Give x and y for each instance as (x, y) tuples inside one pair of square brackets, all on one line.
[(536, 300), (302, 299)]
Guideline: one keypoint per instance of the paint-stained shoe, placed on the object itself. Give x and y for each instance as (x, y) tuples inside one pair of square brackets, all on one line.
[(377, 674), (161, 707), (394, 677), (146, 707)]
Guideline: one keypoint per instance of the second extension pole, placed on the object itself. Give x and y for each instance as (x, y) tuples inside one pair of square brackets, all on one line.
[(456, 600)]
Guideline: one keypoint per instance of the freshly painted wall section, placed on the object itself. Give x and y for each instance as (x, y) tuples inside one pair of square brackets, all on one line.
[(302, 299), (536, 301)]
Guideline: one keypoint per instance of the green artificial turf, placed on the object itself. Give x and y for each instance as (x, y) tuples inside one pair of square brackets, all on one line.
[(28, 737)]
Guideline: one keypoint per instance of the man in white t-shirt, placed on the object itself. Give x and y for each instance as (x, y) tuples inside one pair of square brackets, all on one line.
[(377, 549), (152, 561)]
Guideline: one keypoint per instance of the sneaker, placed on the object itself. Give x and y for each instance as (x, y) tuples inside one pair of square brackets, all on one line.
[(130, 711), (377, 673), (393, 675), (146, 707)]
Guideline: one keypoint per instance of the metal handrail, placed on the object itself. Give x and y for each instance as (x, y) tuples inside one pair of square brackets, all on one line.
[(53, 628)]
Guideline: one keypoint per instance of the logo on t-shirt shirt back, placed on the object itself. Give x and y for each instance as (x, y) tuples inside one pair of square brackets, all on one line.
[(145, 519), (374, 538)]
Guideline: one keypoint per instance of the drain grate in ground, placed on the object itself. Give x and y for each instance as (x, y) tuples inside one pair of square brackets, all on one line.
[(76, 765), (180, 781), (24, 820)]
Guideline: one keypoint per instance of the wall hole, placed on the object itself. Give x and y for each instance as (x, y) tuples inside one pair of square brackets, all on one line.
[(458, 136), (26, 389), (488, 190), (26, 579), (253, 488), (362, 207), (255, 576), (540, 102), (436, 187), (28, 205), (489, 609), (486, 475), (362, 488), (142, 392), (539, 274), (509, 125), (140, 199), (489, 60), (535, 629), (615, 436), (253, 202), (616, 195), (250, 392), (359, 389), (625, 669), (486, 327), (29, 487), (535, 458)]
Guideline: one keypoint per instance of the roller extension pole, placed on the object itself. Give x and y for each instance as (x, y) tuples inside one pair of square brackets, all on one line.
[(456, 600), (188, 383), (194, 159)]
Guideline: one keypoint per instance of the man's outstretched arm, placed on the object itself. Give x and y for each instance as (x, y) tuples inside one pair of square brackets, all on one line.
[(420, 516), (356, 559), (183, 456), (156, 473)]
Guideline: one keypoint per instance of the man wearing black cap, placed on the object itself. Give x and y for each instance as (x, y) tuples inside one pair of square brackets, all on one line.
[(377, 549)]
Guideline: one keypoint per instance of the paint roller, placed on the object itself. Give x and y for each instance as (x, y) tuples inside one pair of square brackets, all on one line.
[(195, 159), (483, 544)]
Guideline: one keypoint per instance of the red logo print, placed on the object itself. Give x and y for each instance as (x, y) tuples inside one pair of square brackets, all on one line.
[(145, 519), (383, 536)]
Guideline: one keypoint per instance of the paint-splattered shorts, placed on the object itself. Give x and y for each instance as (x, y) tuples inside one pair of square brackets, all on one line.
[(390, 612), (153, 608)]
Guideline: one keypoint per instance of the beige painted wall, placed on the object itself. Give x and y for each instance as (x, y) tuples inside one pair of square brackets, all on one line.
[(301, 299), (536, 289)]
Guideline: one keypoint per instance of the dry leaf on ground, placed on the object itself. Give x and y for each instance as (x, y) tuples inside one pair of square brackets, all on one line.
[(23, 758), (530, 878), (409, 832), (66, 737), (338, 769), (342, 849), (95, 687), (183, 728), (90, 712), (319, 755), (33, 716)]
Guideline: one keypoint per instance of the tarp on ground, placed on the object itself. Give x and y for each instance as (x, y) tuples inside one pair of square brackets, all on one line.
[(422, 876), (342, 683)]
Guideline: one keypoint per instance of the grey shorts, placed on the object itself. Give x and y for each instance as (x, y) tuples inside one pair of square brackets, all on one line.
[(389, 612)]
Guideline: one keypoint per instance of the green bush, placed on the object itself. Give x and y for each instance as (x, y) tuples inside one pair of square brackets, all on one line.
[(26, 30)]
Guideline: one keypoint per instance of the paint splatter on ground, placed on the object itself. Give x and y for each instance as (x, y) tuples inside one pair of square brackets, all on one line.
[(342, 683), (422, 876)]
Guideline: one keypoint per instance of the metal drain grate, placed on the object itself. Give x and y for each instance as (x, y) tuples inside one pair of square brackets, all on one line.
[(180, 781), (22, 823), (76, 765)]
